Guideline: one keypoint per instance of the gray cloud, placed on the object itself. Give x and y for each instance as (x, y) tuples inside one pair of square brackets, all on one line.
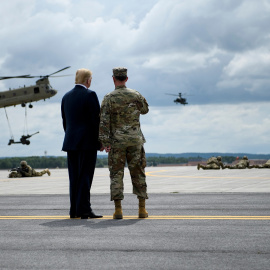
[(203, 48)]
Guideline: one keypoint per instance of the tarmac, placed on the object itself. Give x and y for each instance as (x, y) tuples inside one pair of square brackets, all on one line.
[(198, 219)]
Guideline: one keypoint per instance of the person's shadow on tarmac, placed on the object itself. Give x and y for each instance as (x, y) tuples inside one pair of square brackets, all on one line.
[(88, 223)]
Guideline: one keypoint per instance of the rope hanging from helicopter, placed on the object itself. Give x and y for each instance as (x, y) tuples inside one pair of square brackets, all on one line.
[(11, 135), (25, 128)]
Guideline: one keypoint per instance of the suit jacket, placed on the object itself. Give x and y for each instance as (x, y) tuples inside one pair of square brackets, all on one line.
[(80, 113)]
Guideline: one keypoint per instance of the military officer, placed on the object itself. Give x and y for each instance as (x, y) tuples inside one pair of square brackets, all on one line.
[(26, 171), (242, 164), (213, 163), (120, 133)]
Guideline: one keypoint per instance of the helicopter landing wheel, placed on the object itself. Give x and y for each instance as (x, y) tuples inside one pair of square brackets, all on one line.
[(30, 106), (23, 104)]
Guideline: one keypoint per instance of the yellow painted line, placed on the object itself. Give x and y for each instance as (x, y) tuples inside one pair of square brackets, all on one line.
[(150, 217)]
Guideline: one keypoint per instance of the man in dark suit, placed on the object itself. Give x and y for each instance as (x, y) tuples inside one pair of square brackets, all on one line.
[(80, 113)]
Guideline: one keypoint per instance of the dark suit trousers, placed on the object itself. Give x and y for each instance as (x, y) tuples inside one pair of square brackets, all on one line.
[(81, 167)]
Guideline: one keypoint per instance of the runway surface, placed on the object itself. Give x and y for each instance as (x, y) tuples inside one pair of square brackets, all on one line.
[(159, 180), (197, 220)]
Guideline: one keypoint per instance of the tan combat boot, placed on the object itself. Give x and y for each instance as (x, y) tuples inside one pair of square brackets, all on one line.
[(48, 172), (142, 212), (118, 214)]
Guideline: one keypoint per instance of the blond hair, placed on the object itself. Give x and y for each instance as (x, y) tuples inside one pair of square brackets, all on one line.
[(82, 75)]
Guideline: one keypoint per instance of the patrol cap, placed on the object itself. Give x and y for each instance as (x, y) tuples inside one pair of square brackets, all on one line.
[(23, 163), (120, 71)]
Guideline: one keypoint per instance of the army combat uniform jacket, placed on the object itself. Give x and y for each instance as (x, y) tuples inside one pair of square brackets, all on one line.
[(213, 160), (120, 118)]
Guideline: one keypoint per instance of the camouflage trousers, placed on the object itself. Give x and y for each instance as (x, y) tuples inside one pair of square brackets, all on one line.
[(35, 173), (18, 175), (135, 158), (262, 166), (212, 166), (238, 166)]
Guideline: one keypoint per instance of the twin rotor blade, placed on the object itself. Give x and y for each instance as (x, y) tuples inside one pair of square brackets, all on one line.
[(12, 77), (29, 76)]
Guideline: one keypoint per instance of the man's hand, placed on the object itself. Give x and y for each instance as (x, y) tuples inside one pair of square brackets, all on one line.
[(108, 149)]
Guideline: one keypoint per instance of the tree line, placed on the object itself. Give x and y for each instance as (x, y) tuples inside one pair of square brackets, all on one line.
[(61, 162)]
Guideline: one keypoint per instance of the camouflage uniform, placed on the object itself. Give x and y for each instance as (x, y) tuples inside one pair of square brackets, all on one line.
[(265, 165), (213, 163), (14, 174), (242, 164), (120, 129), (27, 171)]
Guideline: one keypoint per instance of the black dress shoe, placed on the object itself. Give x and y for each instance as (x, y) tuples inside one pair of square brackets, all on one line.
[(74, 216), (90, 215)]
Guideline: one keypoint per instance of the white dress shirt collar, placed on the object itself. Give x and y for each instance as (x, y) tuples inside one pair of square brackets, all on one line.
[(82, 85)]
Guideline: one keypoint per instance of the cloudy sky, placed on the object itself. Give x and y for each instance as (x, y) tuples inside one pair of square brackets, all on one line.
[(217, 52)]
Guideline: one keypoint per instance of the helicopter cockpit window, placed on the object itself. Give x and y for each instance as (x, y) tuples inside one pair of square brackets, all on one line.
[(36, 90), (48, 88)]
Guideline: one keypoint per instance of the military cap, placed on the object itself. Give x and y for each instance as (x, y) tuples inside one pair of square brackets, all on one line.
[(120, 71), (23, 163)]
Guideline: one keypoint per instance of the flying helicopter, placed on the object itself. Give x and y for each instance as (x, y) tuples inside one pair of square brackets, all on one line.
[(180, 99), (27, 94)]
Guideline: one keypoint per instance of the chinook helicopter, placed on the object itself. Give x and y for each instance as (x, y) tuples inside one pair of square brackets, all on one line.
[(180, 99), (27, 94)]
